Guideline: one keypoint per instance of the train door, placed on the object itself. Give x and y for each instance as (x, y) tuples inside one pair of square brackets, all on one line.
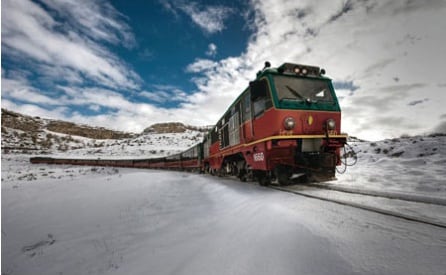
[(247, 128)]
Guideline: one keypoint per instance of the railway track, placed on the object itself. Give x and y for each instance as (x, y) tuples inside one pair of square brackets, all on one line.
[(375, 193), (379, 204)]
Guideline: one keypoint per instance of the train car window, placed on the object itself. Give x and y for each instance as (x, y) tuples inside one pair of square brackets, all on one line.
[(227, 116), (234, 130), (259, 106), (224, 136), (239, 107), (214, 135), (246, 105), (260, 96), (259, 89), (206, 148)]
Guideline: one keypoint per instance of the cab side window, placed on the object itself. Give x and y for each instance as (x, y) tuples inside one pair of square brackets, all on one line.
[(246, 107), (260, 97)]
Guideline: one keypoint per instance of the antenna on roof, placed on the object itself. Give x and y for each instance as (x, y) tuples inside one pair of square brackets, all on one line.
[(267, 65)]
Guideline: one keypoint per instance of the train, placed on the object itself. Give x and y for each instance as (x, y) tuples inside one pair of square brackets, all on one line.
[(284, 127)]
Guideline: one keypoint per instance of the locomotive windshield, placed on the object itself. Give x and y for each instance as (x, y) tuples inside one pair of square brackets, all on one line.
[(303, 90)]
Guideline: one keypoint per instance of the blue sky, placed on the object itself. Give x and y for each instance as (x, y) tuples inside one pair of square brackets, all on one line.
[(128, 64)]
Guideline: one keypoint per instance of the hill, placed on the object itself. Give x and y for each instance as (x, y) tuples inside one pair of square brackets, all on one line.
[(173, 127), (26, 134)]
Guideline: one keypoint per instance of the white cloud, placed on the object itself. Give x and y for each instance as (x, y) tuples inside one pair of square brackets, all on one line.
[(29, 33), (20, 90), (95, 107), (201, 65), (388, 54), (34, 110), (209, 18), (165, 93), (212, 50), (100, 21), (159, 96)]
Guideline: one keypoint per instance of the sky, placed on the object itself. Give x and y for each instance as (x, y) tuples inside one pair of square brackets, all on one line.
[(128, 64)]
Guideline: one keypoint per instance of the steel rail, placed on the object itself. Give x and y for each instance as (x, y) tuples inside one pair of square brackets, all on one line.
[(376, 193), (364, 207)]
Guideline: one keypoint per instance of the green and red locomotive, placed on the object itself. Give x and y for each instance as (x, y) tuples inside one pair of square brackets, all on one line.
[(285, 125)]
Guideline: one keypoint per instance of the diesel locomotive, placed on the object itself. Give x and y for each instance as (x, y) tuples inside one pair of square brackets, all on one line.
[(285, 125)]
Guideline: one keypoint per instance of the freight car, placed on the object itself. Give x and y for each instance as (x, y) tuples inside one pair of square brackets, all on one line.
[(285, 125), (189, 160)]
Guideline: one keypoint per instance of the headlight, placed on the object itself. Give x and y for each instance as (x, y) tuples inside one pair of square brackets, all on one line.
[(289, 123), (331, 124)]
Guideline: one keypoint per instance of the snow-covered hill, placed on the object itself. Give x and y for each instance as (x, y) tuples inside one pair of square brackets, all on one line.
[(34, 135), (24, 137)]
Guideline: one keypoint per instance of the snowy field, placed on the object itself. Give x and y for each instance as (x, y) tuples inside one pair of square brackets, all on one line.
[(94, 220), (407, 165)]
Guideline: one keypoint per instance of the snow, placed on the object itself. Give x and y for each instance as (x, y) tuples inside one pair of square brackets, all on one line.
[(431, 211), (63, 219), (145, 145), (407, 165)]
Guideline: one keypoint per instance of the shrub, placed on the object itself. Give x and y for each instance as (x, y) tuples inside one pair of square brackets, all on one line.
[(397, 154)]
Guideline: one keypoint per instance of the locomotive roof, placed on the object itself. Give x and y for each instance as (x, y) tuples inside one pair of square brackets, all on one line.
[(292, 69)]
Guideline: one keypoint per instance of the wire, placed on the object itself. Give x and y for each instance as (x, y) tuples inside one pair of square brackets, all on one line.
[(349, 154)]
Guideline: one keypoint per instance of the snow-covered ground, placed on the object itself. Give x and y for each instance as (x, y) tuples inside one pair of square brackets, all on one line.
[(407, 165), (158, 222), (94, 220)]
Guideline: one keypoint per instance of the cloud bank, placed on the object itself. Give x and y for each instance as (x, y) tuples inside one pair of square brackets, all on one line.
[(385, 58), (68, 50)]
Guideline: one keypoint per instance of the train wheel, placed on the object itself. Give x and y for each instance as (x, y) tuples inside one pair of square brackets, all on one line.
[(249, 175), (283, 174), (221, 173), (263, 178), (242, 175), (264, 181)]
